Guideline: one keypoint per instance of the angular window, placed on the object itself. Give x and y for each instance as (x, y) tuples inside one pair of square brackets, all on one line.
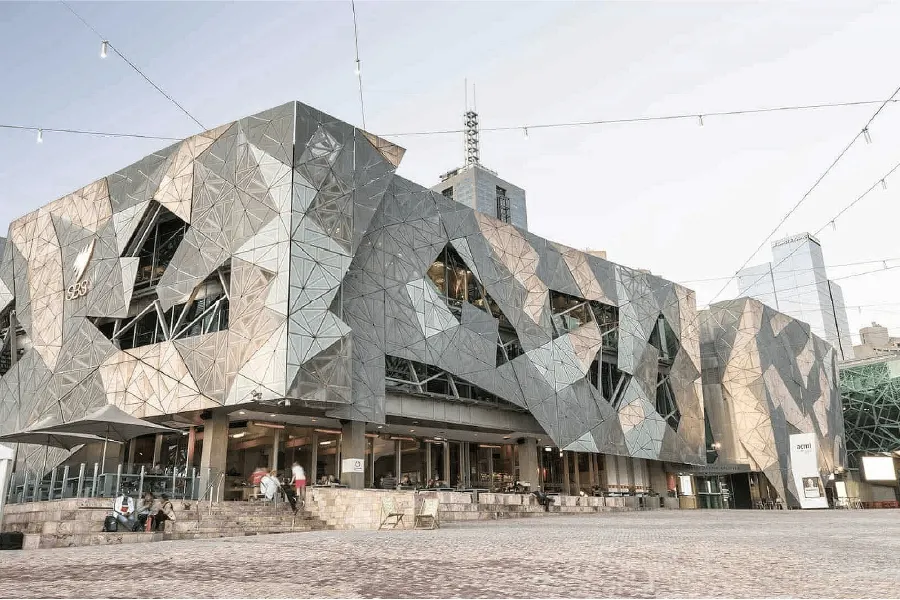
[(665, 340), (155, 243), (503, 212), (448, 193), (456, 282), (607, 318), (608, 379), (665, 401), (413, 377), (206, 312), (568, 312)]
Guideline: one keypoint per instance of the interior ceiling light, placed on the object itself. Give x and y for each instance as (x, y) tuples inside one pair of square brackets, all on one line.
[(242, 412), (238, 435)]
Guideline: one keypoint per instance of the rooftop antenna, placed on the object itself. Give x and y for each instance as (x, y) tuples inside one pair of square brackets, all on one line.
[(470, 120)]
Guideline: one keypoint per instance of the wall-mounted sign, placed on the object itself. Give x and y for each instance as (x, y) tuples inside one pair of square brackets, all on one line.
[(81, 286), (879, 468), (353, 465), (805, 471)]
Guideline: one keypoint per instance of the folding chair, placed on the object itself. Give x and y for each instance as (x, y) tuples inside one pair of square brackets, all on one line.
[(428, 516), (389, 510)]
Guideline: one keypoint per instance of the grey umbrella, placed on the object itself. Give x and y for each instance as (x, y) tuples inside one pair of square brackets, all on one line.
[(109, 423), (36, 434)]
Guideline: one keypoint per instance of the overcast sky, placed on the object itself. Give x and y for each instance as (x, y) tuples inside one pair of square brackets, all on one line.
[(687, 202)]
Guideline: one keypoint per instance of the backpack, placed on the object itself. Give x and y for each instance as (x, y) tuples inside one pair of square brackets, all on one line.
[(110, 524)]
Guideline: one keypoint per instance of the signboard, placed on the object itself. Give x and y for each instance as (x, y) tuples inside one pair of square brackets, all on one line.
[(805, 471), (879, 468), (81, 286), (684, 482), (353, 465)]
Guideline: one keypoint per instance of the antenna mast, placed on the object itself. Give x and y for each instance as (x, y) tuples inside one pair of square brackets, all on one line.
[(470, 121)]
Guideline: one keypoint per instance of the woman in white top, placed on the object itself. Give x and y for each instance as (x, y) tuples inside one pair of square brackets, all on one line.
[(269, 485), (298, 478)]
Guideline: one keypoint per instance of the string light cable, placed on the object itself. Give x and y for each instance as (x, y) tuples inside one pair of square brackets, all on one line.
[(512, 127), (106, 45), (649, 119), (863, 132), (107, 134)]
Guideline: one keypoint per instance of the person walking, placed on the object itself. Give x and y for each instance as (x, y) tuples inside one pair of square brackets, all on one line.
[(298, 478)]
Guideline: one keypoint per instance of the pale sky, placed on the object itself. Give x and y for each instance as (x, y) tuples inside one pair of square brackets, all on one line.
[(687, 202)]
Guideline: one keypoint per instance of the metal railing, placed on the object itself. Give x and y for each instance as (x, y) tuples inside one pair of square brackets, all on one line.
[(89, 481)]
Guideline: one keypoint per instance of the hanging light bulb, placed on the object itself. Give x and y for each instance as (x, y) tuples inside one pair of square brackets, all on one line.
[(358, 69), (525, 129), (883, 184), (104, 45), (867, 136), (40, 139), (701, 120)]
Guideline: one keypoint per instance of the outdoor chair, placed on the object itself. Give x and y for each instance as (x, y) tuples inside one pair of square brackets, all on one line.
[(428, 516), (389, 510)]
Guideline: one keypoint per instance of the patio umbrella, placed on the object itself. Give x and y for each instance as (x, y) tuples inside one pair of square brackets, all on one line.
[(49, 439), (111, 424)]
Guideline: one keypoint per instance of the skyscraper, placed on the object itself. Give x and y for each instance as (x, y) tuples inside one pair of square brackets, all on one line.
[(795, 283)]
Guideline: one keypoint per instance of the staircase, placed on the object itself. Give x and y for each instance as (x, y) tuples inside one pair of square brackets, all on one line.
[(230, 519), (79, 522)]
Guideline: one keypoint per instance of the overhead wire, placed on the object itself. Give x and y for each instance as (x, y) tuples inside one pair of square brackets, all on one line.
[(121, 55), (362, 105), (626, 120), (109, 134)]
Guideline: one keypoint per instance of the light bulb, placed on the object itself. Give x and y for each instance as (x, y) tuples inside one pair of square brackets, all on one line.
[(40, 139), (357, 70), (103, 47), (525, 129)]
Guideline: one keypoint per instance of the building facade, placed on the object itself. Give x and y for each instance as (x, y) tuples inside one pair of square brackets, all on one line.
[(274, 289), (875, 341), (481, 189), (796, 283), (767, 379)]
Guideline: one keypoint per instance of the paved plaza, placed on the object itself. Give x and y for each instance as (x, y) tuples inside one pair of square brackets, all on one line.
[(652, 554)]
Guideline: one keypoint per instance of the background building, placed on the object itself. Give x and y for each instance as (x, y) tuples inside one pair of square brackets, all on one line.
[(766, 378), (875, 341), (481, 189), (795, 283)]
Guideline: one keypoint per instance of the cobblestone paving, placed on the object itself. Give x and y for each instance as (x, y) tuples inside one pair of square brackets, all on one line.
[(669, 554)]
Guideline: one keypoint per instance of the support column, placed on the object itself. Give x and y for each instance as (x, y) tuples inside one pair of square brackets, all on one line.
[(191, 444), (577, 473), (566, 487), (463, 458), (130, 456), (312, 476), (353, 448), (429, 470), (371, 462), (276, 447), (215, 449), (398, 459), (157, 449), (445, 475), (592, 473), (528, 462)]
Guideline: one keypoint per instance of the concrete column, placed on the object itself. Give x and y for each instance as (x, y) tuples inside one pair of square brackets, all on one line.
[(611, 472), (353, 447), (528, 463), (566, 487), (592, 471), (157, 449), (276, 448), (312, 476), (398, 459), (130, 456), (215, 449), (429, 469), (191, 444), (445, 475), (371, 462), (577, 473)]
